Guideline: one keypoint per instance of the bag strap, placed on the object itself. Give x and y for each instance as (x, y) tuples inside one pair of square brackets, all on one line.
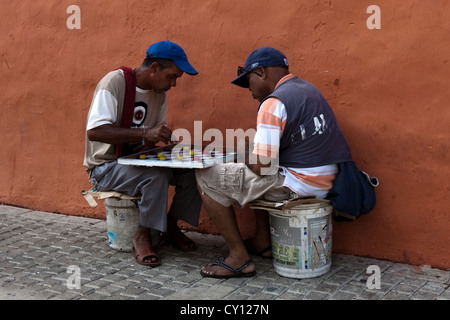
[(372, 180), (128, 104)]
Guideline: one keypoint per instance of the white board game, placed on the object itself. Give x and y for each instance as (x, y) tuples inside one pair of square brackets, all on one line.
[(179, 156)]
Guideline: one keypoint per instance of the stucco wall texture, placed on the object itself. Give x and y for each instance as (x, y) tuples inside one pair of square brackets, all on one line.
[(388, 87)]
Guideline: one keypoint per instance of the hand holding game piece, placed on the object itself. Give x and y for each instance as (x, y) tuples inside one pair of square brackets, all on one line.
[(159, 133)]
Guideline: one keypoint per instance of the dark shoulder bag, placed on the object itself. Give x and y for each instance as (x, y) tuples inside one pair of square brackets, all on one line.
[(353, 193)]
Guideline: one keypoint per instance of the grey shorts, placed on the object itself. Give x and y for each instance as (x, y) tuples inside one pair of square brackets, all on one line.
[(235, 183)]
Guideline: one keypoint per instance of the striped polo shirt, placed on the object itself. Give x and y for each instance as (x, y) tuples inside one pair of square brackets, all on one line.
[(271, 121)]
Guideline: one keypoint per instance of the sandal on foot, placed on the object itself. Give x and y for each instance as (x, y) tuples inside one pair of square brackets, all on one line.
[(185, 244), (251, 249), (236, 272), (147, 257)]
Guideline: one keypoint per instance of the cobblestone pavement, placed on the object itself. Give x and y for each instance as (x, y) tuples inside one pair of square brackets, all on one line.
[(41, 253)]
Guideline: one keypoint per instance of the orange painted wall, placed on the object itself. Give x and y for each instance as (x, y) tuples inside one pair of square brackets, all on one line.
[(389, 89)]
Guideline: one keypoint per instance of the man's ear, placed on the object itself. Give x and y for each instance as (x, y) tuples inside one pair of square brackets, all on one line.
[(263, 72), (154, 67)]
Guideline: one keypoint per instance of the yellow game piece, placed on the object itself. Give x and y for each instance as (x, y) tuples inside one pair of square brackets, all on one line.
[(191, 153), (180, 157), (186, 148), (160, 155), (142, 156), (162, 158)]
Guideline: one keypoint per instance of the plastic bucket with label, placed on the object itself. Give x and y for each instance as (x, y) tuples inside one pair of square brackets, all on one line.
[(302, 239)]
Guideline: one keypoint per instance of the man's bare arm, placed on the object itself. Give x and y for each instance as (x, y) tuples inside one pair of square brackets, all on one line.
[(115, 135)]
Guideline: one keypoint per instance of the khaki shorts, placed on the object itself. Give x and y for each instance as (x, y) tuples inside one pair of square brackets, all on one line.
[(235, 183)]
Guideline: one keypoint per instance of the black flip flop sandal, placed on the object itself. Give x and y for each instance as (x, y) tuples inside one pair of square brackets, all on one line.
[(237, 272)]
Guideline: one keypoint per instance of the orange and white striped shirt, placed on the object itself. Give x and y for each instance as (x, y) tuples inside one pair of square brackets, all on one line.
[(271, 121)]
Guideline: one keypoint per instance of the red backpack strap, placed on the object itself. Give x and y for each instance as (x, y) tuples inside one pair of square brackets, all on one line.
[(128, 104)]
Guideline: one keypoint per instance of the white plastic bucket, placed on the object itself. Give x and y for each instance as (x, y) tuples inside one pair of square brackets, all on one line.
[(122, 221), (302, 240)]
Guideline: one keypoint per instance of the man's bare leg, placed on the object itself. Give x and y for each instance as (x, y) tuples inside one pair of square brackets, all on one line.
[(225, 220), (261, 241)]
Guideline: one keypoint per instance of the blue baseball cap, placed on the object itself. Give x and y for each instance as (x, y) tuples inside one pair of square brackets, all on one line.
[(262, 57), (170, 50)]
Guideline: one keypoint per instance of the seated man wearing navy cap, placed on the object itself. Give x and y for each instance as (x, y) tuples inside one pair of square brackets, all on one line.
[(128, 114), (297, 146)]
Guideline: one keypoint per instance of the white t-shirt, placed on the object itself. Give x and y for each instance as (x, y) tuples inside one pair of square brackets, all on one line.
[(106, 108)]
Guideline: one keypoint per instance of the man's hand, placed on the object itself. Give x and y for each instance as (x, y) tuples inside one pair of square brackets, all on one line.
[(159, 133)]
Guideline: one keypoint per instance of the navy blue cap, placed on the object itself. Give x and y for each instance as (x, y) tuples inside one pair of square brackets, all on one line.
[(170, 50), (262, 57)]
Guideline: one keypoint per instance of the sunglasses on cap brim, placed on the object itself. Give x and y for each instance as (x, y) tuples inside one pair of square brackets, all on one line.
[(242, 70)]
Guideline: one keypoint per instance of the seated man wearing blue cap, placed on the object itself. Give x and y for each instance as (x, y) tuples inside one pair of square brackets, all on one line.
[(297, 146), (127, 115)]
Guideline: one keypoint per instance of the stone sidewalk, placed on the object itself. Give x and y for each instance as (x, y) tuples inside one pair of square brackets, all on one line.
[(42, 253)]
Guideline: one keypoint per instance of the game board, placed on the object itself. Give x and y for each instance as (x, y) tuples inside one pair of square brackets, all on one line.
[(179, 156)]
